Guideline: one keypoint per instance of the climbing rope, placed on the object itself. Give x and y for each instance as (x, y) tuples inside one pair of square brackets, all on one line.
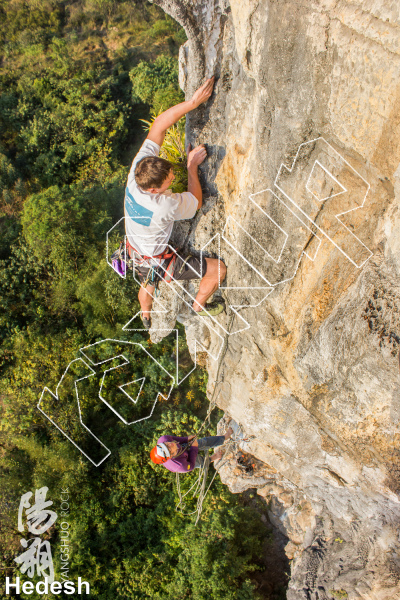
[(213, 400), (200, 484)]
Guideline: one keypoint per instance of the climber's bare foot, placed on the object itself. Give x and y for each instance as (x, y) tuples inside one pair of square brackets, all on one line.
[(228, 433), (217, 456)]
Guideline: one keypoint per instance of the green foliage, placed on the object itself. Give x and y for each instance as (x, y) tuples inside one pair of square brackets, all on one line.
[(60, 223), (339, 594), (156, 83), (8, 174), (64, 123), (105, 302), (40, 18), (76, 79), (173, 150), (22, 283), (64, 236), (12, 188), (166, 97)]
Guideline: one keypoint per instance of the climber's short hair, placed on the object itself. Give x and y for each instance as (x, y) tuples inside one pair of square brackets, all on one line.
[(151, 172)]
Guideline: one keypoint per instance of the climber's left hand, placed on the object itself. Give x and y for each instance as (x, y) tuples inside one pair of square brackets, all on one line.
[(204, 92)]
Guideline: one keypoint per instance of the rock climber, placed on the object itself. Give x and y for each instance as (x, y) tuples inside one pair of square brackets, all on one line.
[(181, 454), (151, 209)]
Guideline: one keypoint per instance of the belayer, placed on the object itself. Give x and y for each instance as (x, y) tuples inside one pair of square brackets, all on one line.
[(151, 209), (181, 454)]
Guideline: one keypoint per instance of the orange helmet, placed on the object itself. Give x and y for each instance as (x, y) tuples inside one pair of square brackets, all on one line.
[(159, 454)]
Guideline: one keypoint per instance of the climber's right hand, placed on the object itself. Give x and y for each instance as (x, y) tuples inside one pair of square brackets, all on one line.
[(196, 156)]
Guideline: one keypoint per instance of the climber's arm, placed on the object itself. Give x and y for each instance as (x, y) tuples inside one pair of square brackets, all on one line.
[(195, 158), (173, 114)]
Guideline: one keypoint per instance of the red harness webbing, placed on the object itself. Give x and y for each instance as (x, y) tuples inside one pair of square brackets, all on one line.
[(168, 273), (163, 255)]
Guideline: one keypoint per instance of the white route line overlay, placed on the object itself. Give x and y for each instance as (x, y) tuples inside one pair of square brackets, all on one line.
[(187, 298), (338, 215), (178, 381), (268, 289), (56, 397), (93, 372)]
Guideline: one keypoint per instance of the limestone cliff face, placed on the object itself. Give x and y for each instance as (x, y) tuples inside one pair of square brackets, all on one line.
[(303, 128)]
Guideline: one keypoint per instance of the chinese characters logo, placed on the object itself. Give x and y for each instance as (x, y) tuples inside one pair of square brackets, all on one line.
[(37, 518)]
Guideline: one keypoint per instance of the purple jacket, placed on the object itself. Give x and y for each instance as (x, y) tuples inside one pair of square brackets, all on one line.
[(186, 461)]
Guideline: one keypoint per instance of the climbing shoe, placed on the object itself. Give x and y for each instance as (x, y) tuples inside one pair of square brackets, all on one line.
[(213, 309), (146, 322)]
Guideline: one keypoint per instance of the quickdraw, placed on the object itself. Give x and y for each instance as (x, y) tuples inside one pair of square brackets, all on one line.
[(153, 277)]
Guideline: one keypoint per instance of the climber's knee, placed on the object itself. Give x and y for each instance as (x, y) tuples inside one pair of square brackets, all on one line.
[(216, 269)]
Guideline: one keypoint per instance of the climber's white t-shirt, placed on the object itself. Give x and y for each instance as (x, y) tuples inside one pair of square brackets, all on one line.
[(149, 218)]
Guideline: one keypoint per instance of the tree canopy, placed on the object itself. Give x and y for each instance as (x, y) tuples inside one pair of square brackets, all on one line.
[(76, 79)]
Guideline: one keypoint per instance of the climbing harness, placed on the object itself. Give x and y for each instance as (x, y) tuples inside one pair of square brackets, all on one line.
[(140, 259), (126, 257)]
